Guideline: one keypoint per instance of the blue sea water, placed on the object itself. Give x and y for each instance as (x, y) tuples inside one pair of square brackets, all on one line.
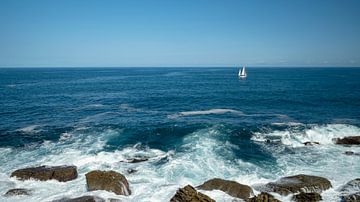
[(192, 123)]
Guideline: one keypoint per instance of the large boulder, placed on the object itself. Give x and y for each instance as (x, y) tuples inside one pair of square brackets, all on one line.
[(351, 191), (263, 197), (43, 173), (189, 194), (307, 197), (17, 192), (109, 181), (230, 187), (350, 140), (82, 199), (297, 183)]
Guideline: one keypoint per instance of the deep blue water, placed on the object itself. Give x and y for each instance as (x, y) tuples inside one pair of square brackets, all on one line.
[(158, 108)]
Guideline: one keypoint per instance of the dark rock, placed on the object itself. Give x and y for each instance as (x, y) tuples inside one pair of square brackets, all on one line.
[(109, 181), (82, 199), (351, 186), (43, 173), (263, 197), (135, 160), (16, 192), (297, 183), (354, 197), (351, 153), (189, 194), (114, 200), (307, 197), (230, 187), (311, 143), (350, 140), (131, 171)]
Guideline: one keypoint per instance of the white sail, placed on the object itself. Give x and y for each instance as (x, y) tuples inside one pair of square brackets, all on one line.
[(242, 73)]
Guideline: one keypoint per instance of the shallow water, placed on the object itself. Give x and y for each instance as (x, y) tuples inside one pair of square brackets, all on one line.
[(192, 123)]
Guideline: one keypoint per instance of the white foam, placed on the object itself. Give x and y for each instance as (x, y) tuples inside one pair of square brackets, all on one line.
[(206, 112), (30, 129)]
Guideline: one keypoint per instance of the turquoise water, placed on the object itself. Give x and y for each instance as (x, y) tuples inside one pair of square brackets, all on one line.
[(193, 124)]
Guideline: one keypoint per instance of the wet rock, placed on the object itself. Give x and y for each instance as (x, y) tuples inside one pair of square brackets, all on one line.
[(230, 187), (263, 197), (82, 199), (297, 183), (135, 160), (350, 192), (307, 197), (114, 200), (189, 194), (311, 143), (43, 173), (131, 171), (109, 181), (17, 192), (351, 153), (350, 140), (354, 197)]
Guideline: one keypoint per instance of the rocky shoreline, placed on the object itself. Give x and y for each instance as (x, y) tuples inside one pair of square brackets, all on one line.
[(300, 188)]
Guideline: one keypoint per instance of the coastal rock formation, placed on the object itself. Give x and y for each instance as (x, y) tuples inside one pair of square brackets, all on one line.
[(135, 160), (189, 194), (297, 183), (311, 143), (109, 181), (350, 192), (230, 187), (43, 173), (17, 192), (307, 197), (350, 140), (82, 199), (263, 197)]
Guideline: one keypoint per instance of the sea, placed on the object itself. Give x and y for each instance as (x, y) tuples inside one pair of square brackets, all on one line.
[(191, 124)]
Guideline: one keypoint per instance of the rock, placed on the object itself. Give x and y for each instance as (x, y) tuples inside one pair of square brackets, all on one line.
[(311, 143), (307, 197), (350, 140), (263, 197), (17, 192), (135, 160), (351, 153), (350, 192), (355, 197), (189, 194), (43, 173), (298, 183), (130, 171), (109, 181), (230, 187), (114, 200), (82, 199)]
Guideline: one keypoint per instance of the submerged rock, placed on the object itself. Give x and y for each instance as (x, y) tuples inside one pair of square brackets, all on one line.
[(189, 194), (263, 197), (350, 140), (230, 187), (43, 173), (297, 183), (350, 192), (82, 199), (131, 171), (135, 160), (108, 181), (307, 197), (351, 153), (311, 143), (17, 192)]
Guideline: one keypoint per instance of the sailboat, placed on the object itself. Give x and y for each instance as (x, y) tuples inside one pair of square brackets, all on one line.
[(242, 72)]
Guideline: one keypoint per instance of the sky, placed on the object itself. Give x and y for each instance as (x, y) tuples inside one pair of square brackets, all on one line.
[(179, 33)]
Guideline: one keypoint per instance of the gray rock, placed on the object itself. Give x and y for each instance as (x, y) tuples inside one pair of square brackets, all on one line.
[(232, 188), (82, 199), (263, 197), (43, 173), (307, 197), (189, 194), (108, 181), (17, 192)]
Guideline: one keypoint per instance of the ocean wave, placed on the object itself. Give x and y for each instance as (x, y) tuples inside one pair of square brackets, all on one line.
[(206, 112), (30, 129), (324, 134)]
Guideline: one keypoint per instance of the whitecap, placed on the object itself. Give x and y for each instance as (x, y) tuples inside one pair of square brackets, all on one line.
[(30, 129), (206, 112)]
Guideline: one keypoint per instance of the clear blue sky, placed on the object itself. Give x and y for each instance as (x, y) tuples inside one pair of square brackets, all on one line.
[(179, 33)]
